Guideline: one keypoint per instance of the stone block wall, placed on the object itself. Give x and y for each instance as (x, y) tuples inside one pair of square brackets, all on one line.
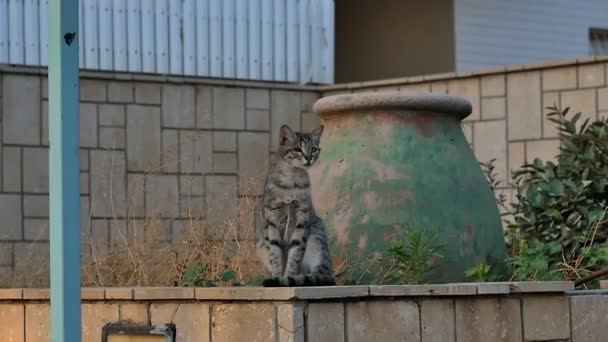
[(497, 312), (159, 152), (154, 150), (509, 121)]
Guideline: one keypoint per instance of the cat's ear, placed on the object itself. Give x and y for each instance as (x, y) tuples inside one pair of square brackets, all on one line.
[(316, 134), (286, 134)]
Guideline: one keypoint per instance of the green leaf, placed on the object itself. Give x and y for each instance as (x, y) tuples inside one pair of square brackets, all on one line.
[(228, 275)]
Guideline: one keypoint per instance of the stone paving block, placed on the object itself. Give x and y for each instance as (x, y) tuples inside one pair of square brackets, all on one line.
[(191, 320), (93, 90), (469, 89), (233, 322), (325, 322), (136, 184), (36, 294), (36, 229), (524, 105), (591, 75), (258, 119), (32, 258), (36, 170), (84, 183), (559, 78), (224, 162), (440, 87), (253, 162), (100, 237), (193, 207), (162, 195), (11, 322), (437, 320), (21, 110), (94, 317), (10, 216), (6, 256), (143, 138), (163, 293), (589, 318), (221, 198), (204, 110), (192, 185), (583, 101), (517, 156), (84, 160), (112, 137), (602, 99), (546, 318), (546, 150), (44, 117), (382, 321), (11, 169), (493, 108), (92, 293), (36, 205), (170, 153), (147, 93), (493, 85), (258, 98), (310, 121), (37, 322), (415, 87), (108, 186), (179, 106), (284, 110), (308, 98), (112, 115), (488, 319), (224, 141), (228, 108), (195, 152), (11, 293), (134, 313), (490, 143), (121, 92), (290, 320), (119, 293)]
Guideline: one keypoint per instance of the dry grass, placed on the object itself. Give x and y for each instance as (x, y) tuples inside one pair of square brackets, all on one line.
[(157, 250)]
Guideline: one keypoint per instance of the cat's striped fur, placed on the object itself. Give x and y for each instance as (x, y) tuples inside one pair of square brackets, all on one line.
[(291, 239)]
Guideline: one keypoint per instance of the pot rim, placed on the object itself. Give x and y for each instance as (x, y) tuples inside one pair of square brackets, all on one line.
[(404, 100)]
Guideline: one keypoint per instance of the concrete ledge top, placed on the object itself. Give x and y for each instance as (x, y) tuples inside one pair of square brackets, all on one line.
[(297, 293), (395, 99)]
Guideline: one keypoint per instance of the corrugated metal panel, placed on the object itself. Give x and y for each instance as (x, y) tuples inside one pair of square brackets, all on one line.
[(272, 40), (496, 32)]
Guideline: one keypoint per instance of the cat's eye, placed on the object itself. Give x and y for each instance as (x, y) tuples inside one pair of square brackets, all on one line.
[(297, 149), (314, 150)]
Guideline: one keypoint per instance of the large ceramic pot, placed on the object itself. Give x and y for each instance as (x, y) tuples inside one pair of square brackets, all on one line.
[(396, 162)]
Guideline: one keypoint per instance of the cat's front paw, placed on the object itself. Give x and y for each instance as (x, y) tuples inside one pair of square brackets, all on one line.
[(271, 282)]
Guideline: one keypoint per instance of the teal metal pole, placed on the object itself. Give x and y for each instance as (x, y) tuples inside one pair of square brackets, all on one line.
[(64, 169)]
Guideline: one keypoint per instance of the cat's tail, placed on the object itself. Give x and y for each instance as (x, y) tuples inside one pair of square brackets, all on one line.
[(313, 279)]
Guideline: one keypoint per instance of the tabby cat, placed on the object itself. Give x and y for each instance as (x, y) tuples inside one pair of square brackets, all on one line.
[(291, 239)]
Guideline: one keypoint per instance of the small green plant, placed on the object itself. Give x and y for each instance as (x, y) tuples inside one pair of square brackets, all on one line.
[(482, 272), (415, 257), (534, 262), (197, 275)]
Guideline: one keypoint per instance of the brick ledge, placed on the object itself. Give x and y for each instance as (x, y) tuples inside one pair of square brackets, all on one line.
[(298, 293)]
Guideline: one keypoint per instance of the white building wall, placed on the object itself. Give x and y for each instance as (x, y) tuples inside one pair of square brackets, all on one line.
[(271, 40), (492, 33)]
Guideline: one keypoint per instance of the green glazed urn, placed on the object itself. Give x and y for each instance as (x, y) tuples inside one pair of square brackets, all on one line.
[(395, 162)]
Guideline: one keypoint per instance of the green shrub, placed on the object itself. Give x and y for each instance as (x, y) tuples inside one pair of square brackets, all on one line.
[(559, 222)]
